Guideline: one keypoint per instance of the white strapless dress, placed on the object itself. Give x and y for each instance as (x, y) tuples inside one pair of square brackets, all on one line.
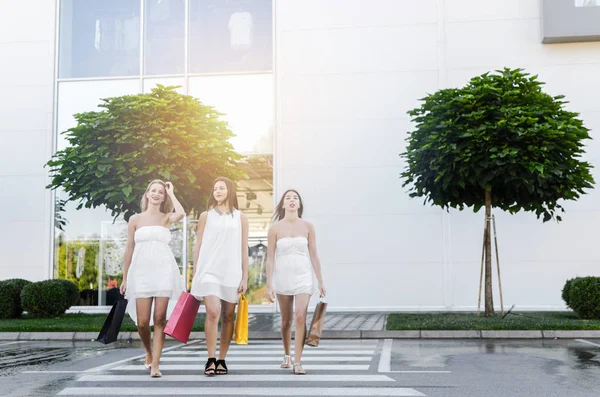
[(219, 267), (153, 271), (293, 273)]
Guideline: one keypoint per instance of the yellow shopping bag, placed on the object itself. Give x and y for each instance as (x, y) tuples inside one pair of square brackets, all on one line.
[(240, 335)]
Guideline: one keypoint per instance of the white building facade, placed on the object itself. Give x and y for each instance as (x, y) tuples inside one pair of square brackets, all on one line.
[(317, 92)]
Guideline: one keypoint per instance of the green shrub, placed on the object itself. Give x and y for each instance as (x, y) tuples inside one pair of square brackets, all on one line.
[(9, 300), (20, 283), (71, 292), (44, 299), (566, 291), (584, 297)]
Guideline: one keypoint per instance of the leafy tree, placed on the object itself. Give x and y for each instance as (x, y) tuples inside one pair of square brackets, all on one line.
[(500, 142), (115, 152)]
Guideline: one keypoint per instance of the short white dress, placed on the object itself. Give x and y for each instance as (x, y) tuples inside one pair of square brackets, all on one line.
[(293, 272), (219, 267), (153, 271)]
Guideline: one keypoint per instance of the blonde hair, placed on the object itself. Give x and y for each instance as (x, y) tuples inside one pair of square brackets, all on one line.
[(166, 206)]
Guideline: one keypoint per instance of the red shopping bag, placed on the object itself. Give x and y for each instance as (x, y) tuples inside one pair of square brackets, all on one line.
[(182, 319)]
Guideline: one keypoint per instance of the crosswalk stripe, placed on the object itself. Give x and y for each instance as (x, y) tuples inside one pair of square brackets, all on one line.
[(238, 378), (255, 353), (280, 346), (247, 367), (261, 359), (335, 368), (246, 391), (355, 342)]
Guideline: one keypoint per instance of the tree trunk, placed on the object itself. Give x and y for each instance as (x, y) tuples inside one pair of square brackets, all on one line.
[(489, 297)]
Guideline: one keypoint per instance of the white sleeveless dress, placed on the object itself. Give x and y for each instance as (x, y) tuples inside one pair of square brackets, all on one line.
[(293, 272), (153, 271), (219, 267)]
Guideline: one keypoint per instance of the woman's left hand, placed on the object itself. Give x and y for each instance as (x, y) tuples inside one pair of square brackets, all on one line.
[(169, 186), (322, 290), (243, 287)]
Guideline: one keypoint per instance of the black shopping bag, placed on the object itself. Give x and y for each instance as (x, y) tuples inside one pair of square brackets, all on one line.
[(112, 324)]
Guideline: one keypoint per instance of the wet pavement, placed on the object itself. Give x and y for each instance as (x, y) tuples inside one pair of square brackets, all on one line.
[(569, 368), (543, 368)]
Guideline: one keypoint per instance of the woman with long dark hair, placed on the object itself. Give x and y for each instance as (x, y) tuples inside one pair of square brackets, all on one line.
[(291, 260), (220, 268)]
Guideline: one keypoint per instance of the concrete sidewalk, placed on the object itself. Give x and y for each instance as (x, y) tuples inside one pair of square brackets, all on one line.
[(337, 326)]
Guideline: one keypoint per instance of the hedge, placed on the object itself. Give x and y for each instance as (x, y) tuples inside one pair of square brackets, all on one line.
[(44, 299), (584, 297)]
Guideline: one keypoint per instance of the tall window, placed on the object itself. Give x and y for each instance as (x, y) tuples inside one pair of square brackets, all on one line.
[(229, 67), (164, 38), (230, 36), (99, 38)]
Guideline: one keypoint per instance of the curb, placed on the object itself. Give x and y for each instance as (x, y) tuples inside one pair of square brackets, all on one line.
[(327, 334)]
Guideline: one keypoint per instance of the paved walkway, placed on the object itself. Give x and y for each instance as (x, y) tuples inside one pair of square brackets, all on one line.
[(333, 322)]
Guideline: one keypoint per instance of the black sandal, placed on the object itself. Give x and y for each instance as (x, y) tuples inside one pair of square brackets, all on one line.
[(210, 367), (223, 370)]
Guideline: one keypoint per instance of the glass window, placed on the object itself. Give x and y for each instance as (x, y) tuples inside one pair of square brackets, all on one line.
[(164, 42), (99, 38), (87, 243), (247, 104), (83, 96), (230, 36)]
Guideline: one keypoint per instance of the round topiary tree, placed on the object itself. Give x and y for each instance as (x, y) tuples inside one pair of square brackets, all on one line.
[(498, 142), (115, 152), (43, 299)]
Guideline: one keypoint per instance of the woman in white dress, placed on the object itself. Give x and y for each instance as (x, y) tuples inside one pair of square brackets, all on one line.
[(151, 276), (220, 268), (292, 257)]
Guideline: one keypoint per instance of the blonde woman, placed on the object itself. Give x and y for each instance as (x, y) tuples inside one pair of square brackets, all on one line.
[(220, 268), (151, 276), (292, 258)]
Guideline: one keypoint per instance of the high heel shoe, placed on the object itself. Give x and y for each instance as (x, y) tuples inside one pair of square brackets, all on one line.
[(287, 362)]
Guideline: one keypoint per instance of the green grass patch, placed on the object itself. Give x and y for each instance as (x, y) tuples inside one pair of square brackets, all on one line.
[(470, 321), (73, 323)]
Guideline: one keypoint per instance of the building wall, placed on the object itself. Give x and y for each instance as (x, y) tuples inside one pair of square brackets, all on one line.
[(347, 73), (26, 117)]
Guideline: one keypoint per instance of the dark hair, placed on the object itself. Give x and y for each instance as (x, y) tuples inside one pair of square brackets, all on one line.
[(231, 194), (279, 211)]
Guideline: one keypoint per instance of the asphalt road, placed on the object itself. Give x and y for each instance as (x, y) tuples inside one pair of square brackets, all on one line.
[(569, 368)]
